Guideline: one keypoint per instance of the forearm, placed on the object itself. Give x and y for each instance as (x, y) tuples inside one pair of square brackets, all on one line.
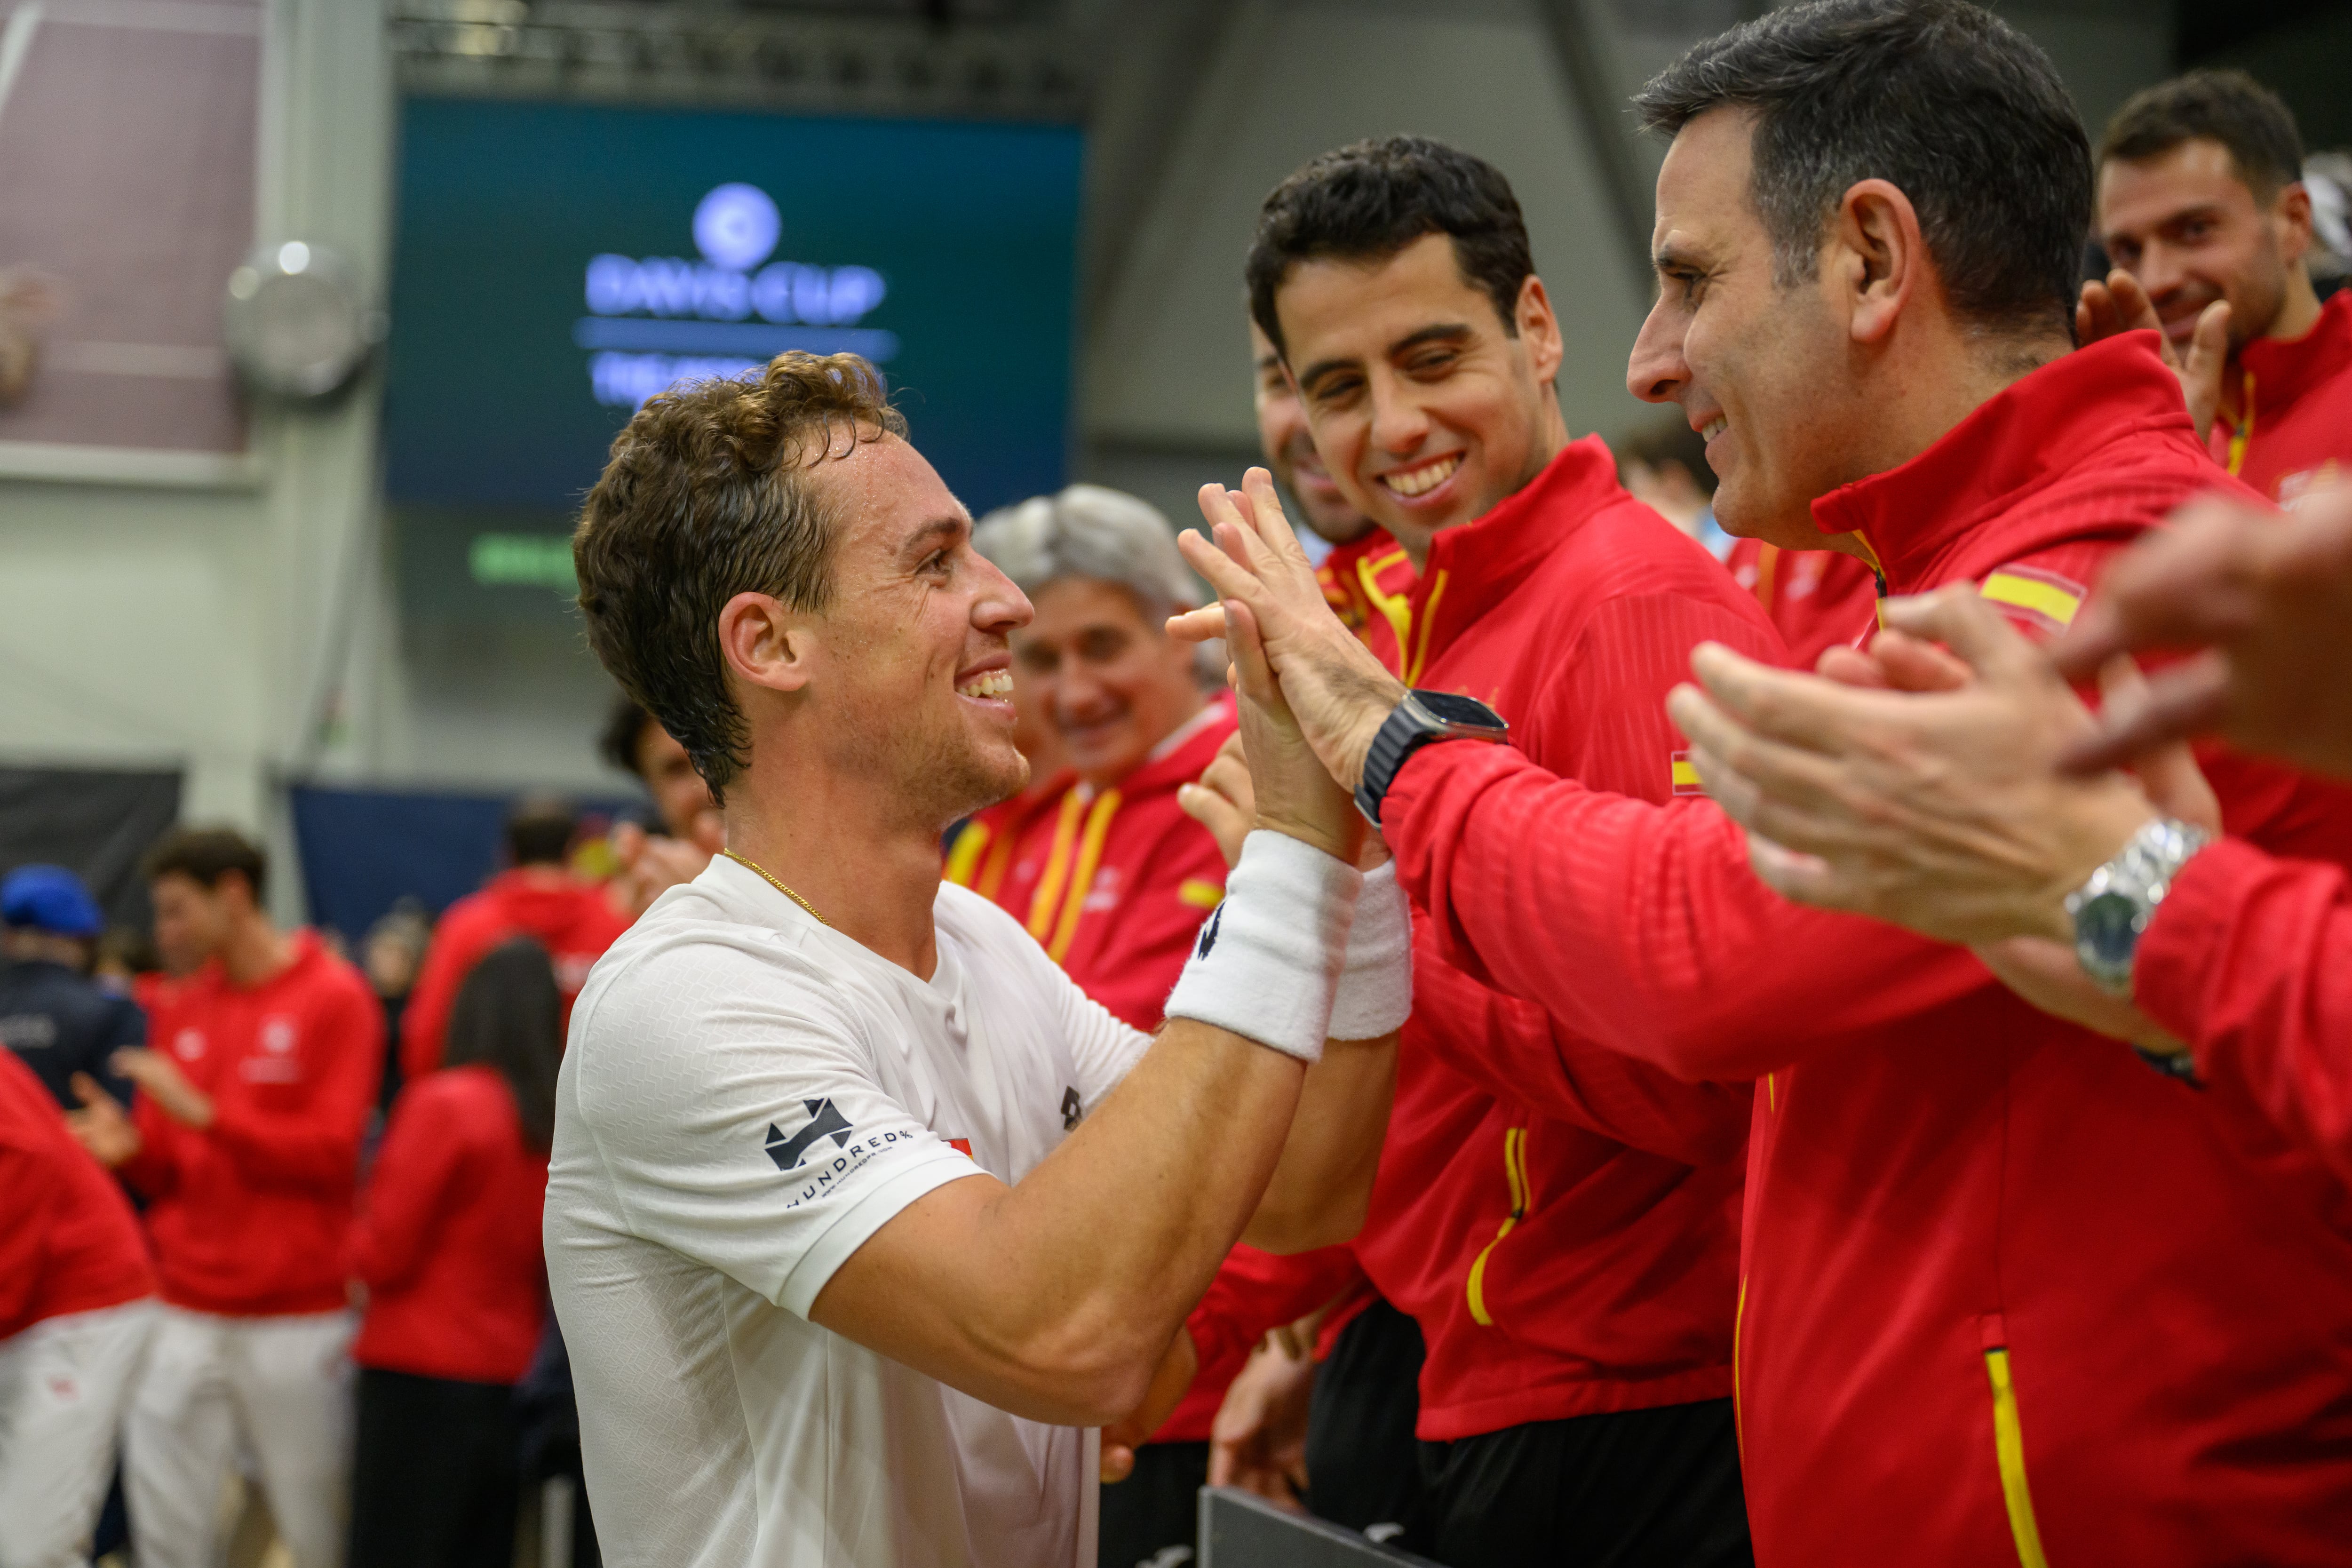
[(1322, 1185), (1639, 926), (1055, 1298), (2249, 959), (1522, 1053)]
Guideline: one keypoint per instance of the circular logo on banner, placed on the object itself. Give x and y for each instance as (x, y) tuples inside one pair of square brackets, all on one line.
[(737, 226)]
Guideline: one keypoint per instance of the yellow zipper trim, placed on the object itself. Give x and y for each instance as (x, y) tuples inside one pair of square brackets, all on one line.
[(1738, 1426), (1083, 878), (1514, 1169), (1428, 621), (2242, 429), (1048, 896), (964, 854), (1395, 608), (2009, 1448)]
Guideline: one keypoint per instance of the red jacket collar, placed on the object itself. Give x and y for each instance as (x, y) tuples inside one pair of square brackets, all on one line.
[(2015, 442), (2285, 370), (1473, 566)]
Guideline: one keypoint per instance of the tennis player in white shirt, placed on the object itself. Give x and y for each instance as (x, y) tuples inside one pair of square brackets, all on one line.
[(862, 1216)]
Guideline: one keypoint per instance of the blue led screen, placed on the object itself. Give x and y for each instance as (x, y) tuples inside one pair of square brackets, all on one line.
[(556, 264)]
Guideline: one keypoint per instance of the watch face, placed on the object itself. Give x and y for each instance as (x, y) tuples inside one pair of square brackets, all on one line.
[(1450, 708), (2107, 928)]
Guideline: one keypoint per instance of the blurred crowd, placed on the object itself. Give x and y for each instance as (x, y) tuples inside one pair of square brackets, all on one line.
[(272, 1217)]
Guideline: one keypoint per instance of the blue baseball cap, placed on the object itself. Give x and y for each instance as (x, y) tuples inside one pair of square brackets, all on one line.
[(50, 898)]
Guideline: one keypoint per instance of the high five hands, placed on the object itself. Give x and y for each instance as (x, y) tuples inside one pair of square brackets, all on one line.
[(1291, 655)]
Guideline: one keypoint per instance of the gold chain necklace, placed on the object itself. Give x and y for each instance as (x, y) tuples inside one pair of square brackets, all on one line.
[(768, 878)]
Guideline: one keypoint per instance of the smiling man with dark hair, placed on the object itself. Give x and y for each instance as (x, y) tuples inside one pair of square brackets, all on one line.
[(1559, 1219)]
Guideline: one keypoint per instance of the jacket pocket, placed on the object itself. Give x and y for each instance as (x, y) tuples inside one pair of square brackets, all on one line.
[(1514, 1169)]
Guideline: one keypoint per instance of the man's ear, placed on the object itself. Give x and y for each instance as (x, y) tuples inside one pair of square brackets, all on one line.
[(2291, 216), (1877, 258), (1539, 328), (765, 644)]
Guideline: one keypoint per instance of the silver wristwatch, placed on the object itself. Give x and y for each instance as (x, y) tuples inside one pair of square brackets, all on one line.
[(2112, 909)]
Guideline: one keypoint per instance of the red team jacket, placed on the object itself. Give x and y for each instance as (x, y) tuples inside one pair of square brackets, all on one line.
[(2007, 1295), (1367, 581), (1560, 1219), (68, 1241), (1115, 884), (2294, 430), (446, 1236), (251, 1216), (575, 921), (1817, 599)]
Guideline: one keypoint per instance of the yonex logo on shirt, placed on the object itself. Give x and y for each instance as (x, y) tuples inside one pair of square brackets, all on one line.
[(824, 1120)]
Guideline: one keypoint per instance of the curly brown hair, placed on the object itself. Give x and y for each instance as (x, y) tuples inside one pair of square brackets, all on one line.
[(708, 495)]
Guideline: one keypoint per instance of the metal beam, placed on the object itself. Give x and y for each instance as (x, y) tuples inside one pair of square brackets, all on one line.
[(1583, 40)]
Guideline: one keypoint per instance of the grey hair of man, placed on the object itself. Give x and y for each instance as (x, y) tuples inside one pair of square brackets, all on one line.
[(1105, 536)]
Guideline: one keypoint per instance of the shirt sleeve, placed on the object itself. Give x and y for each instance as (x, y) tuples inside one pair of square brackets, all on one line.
[(1104, 1047), (741, 1121), (2249, 959)]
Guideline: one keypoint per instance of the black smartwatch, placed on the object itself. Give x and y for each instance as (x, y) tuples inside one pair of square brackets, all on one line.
[(1423, 717)]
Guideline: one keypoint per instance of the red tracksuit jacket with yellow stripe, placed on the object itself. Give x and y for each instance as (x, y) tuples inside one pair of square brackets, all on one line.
[(2007, 1295), (2293, 433), (1560, 1219)]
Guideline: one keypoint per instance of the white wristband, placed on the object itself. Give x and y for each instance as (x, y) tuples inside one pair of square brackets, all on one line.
[(1375, 993), (1267, 958)]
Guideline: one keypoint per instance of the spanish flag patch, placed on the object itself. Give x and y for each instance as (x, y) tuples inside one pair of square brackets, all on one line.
[(1685, 775), (2041, 599)]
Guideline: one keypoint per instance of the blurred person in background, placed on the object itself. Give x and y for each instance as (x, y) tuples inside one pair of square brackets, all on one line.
[(390, 955), (245, 1138), (1363, 572), (689, 832), (2203, 209), (537, 895), (76, 1308), (446, 1242), (52, 1013), (125, 963)]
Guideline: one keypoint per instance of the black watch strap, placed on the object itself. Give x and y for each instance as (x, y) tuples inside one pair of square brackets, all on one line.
[(1417, 720)]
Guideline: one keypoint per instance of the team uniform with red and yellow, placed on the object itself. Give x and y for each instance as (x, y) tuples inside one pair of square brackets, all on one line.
[(1560, 1219), (2006, 1294), (2293, 432)]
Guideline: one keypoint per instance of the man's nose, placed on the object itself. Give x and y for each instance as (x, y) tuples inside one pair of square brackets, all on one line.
[(1654, 372), (1400, 424)]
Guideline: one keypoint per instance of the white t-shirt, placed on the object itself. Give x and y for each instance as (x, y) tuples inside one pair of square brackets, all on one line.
[(749, 1095)]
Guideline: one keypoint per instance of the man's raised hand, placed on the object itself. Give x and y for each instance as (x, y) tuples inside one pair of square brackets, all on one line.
[(1335, 687), (2118, 304)]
